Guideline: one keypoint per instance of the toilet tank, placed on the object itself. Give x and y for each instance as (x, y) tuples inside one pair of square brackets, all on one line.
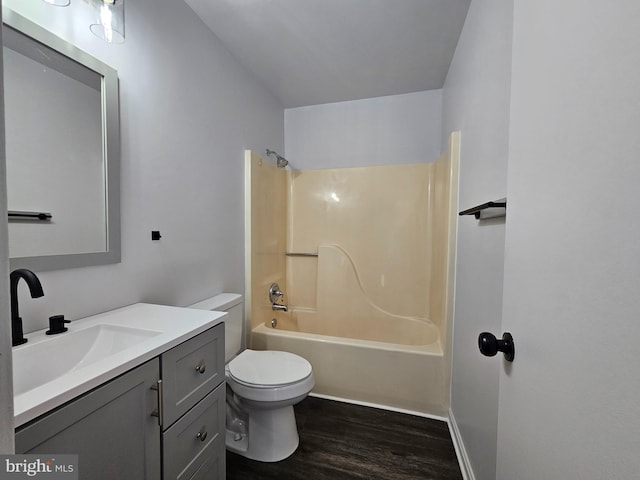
[(232, 304)]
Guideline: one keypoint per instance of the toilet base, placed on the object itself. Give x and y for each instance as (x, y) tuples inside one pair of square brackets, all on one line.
[(272, 435)]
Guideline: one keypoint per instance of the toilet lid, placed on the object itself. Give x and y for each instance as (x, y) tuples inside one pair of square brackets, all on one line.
[(268, 368)]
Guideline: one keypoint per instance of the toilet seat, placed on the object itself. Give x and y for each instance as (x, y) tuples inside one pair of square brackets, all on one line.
[(268, 368), (269, 376)]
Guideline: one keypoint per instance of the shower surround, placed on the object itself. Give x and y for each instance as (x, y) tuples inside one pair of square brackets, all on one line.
[(364, 256)]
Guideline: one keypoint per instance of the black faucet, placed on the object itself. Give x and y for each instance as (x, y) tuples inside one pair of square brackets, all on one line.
[(35, 287)]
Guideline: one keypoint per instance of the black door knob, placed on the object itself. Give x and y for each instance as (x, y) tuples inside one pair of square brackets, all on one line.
[(489, 345)]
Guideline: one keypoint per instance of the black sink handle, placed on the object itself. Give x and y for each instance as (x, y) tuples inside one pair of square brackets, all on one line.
[(56, 325)]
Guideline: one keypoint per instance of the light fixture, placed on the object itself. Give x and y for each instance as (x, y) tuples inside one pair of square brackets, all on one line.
[(58, 3), (109, 23), (109, 18)]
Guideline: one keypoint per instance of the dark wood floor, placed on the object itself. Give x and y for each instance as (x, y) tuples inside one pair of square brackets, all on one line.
[(340, 441)]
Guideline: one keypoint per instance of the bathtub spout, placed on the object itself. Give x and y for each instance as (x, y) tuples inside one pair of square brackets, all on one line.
[(283, 308)]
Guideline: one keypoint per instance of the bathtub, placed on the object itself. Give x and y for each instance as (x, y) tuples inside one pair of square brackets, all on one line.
[(405, 375)]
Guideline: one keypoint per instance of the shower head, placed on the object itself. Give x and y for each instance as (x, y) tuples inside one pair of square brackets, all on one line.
[(281, 162)]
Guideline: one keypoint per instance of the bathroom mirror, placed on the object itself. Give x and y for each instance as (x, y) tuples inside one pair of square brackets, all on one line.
[(62, 150)]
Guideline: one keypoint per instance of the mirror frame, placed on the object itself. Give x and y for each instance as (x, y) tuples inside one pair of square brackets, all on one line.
[(110, 147)]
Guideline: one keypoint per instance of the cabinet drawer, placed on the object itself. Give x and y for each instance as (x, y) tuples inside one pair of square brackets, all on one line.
[(212, 469), (188, 453), (190, 371)]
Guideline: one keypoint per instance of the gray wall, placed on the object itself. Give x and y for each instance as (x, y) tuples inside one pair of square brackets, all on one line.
[(476, 101), (375, 131), (188, 111)]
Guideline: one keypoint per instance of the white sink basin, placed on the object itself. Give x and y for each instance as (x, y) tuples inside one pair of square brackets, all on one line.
[(38, 363)]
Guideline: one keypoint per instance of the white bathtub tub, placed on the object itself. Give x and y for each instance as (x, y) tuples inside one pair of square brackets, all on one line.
[(406, 375)]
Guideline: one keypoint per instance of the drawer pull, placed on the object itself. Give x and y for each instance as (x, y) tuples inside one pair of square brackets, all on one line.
[(201, 367), (202, 434)]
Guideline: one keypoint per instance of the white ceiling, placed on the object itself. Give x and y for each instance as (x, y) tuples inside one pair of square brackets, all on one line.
[(308, 52)]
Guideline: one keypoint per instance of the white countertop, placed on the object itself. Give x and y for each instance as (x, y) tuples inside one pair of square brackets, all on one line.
[(170, 326)]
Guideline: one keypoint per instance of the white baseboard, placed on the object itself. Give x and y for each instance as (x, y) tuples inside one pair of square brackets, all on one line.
[(461, 453), (377, 405)]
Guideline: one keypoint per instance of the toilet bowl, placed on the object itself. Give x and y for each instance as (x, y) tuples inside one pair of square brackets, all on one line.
[(262, 388)]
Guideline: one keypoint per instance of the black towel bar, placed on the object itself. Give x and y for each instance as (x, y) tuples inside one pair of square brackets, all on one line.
[(19, 215), (477, 210)]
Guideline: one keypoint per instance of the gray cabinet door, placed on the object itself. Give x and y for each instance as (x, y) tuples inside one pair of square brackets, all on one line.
[(110, 428), (190, 371)]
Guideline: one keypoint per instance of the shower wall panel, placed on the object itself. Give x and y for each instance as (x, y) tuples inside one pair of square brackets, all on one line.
[(266, 224), (443, 213), (377, 222)]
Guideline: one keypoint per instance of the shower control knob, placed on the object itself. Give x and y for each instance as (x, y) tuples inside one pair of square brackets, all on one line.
[(489, 345)]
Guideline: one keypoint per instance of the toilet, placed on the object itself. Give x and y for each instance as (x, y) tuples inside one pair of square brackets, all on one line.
[(262, 388)]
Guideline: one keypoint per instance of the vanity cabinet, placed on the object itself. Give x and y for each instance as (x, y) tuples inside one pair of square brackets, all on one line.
[(163, 419)]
